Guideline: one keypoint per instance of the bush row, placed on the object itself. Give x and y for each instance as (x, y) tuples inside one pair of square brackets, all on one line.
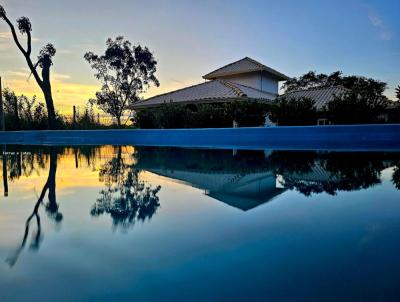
[(217, 115)]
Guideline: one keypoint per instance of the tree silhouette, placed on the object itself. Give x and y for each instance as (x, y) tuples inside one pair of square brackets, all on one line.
[(329, 172), (368, 88), (398, 93), (5, 174), (396, 176), (126, 198), (125, 71), (294, 111), (51, 208), (44, 61)]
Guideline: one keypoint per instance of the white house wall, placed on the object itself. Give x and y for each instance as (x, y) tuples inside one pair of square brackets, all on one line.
[(255, 80)]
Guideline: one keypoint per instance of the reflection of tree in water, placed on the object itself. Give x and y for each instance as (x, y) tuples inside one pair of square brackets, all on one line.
[(50, 206), (330, 172), (396, 176), (126, 198), (305, 171), (20, 162)]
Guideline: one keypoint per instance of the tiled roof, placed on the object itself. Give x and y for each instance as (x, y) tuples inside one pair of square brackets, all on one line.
[(244, 65), (208, 92), (321, 96)]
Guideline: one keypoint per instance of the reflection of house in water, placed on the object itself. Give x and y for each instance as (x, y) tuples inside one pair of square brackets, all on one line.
[(244, 191), (251, 178), (316, 176)]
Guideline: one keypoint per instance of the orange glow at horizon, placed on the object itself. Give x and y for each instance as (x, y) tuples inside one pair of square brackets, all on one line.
[(66, 94)]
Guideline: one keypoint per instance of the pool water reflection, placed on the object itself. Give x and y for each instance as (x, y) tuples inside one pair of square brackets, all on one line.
[(154, 224)]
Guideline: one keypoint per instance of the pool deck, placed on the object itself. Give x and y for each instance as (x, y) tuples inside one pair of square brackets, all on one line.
[(343, 137)]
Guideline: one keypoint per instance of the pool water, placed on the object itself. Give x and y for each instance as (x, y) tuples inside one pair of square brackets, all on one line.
[(128, 223)]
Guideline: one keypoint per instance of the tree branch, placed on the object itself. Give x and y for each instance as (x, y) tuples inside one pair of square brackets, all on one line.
[(14, 34), (24, 52), (29, 43)]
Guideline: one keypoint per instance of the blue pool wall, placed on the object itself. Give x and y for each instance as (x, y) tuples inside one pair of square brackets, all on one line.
[(344, 137)]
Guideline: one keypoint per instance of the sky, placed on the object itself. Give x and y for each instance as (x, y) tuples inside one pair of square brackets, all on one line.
[(192, 38)]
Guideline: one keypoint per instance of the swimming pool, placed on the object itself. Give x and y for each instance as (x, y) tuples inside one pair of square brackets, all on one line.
[(163, 223)]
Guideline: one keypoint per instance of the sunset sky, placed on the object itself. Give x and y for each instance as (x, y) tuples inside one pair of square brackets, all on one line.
[(191, 38)]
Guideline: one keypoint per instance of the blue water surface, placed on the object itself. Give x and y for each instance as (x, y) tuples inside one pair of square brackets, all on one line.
[(119, 223)]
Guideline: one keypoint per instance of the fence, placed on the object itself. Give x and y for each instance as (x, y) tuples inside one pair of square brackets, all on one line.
[(78, 114)]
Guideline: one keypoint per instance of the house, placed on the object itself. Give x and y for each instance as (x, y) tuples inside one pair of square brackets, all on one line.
[(242, 80)]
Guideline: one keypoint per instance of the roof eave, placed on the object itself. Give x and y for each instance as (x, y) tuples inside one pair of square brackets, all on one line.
[(143, 105)]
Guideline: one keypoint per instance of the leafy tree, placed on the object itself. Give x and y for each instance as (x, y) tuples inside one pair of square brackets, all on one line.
[(22, 112), (398, 93), (11, 107), (44, 61), (368, 88), (294, 112), (125, 71), (312, 80), (353, 108)]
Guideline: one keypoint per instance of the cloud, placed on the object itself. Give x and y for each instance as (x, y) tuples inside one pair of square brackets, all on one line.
[(65, 93), (64, 51), (23, 73), (376, 21), (5, 35), (5, 40)]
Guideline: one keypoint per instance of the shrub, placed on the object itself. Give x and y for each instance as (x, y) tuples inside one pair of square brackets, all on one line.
[(218, 115), (294, 112), (353, 108)]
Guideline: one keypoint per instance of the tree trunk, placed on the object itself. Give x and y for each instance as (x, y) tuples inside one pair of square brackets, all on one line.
[(51, 181), (5, 174), (50, 108), (46, 88), (16, 113), (119, 121)]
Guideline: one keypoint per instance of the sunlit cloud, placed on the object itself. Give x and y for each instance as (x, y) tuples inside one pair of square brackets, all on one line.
[(376, 21), (65, 93), (5, 40), (5, 35)]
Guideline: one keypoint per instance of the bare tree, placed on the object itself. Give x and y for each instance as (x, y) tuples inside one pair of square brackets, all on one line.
[(44, 61)]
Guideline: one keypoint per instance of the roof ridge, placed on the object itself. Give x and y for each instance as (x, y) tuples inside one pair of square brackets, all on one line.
[(227, 65), (234, 88), (257, 66), (316, 88), (256, 62)]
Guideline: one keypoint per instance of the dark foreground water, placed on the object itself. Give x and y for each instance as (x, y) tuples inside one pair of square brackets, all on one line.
[(167, 224)]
